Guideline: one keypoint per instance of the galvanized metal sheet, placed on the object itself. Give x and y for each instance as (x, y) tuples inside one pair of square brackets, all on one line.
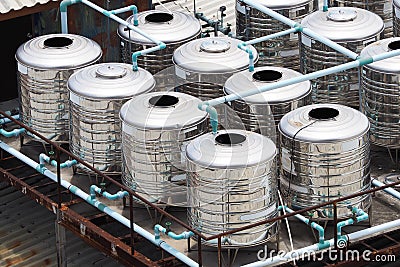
[(8, 5)]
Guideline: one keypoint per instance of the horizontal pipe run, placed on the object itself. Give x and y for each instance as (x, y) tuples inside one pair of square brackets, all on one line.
[(99, 205), (271, 36), (159, 229), (12, 133), (294, 24), (7, 120), (270, 12), (95, 189), (43, 158), (335, 46), (388, 190)]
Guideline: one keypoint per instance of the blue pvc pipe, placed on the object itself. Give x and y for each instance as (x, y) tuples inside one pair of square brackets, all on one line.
[(99, 205), (43, 158), (95, 189), (12, 133), (360, 216), (132, 8), (319, 228), (111, 14), (159, 229), (213, 115), (271, 36), (325, 6), (7, 120)]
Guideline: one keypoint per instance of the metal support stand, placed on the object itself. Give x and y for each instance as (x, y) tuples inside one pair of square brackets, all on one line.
[(60, 242)]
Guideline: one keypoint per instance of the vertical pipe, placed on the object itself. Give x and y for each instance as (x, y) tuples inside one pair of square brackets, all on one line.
[(131, 223), (199, 256), (335, 221), (58, 178), (219, 252)]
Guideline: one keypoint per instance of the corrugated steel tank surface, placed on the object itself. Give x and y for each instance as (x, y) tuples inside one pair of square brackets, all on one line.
[(278, 52), (156, 128), (325, 155), (380, 84), (44, 65), (396, 18), (261, 113), (383, 8), (97, 93), (353, 28), (202, 67), (232, 183), (174, 29)]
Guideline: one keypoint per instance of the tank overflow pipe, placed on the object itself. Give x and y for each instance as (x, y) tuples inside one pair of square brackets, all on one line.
[(12, 133), (110, 14), (314, 225), (306, 77), (243, 46), (7, 120), (99, 205), (160, 229), (388, 190), (309, 250), (293, 24), (359, 215), (95, 189), (43, 159), (213, 115), (325, 5)]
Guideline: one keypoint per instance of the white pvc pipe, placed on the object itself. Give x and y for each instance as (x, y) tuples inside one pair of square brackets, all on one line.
[(388, 190), (77, 191)]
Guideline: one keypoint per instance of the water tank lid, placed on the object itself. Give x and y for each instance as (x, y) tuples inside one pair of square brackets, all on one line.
[(344, 24), (389, 65), (243, 81), (212, 55), (287, 4), (110, 81), (169, 28), (162, 111), (58, 51), (324, 123), (230, 149)]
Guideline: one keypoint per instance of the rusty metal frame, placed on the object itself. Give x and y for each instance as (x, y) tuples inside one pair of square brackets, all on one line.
[(72, 220)]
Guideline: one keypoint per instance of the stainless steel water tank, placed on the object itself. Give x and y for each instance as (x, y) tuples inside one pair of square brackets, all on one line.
[(202, 66), (155, 130), (97, 93), (353, 28), (325, 155), (383, 8), (261, 113), (44, 65), (278, 52), (380, 85), (174, 29), (396, 18), (232, 183)]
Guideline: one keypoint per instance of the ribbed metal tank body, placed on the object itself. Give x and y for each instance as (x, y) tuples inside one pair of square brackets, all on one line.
[(173, 29), (383, 8), (202, 67), (278, 52), (156, 128), (232, 185), (352, 28), (396, 18), (380, 84), (325, 155), (45, 64), (261, 113), (97, 93)]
